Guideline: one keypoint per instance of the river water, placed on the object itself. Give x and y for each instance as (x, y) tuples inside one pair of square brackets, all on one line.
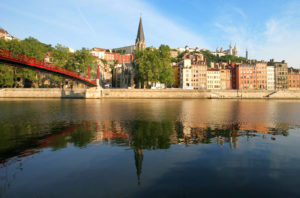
[(149, 148)]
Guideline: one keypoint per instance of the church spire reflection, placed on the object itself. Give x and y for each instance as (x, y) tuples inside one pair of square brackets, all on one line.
[(138, 157)]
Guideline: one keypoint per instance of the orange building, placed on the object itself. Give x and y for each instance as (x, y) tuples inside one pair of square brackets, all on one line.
[(251, 76), (293, 79), (199, 70), (225, 78), (120, 58), (245, 76), (261, 75)]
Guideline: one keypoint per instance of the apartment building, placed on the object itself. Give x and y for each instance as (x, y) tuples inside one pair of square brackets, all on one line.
[(281, 74), (270, 78), (213, 79)]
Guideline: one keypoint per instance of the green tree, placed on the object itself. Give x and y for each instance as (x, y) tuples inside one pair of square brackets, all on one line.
[(227, 58), (83, 59), (6, 76), (60, 55), (12, 77), (153, 65), (166, 71), (30, 47)]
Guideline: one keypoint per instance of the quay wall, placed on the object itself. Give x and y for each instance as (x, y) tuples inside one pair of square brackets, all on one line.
[(94, 93), (179, 93), (42, 93)]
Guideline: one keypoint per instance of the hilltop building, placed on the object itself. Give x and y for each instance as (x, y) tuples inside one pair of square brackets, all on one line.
[(5, 35), (98, 52), (231, 51)]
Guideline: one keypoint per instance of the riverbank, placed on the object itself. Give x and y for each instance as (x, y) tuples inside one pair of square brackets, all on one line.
[(94, 93)]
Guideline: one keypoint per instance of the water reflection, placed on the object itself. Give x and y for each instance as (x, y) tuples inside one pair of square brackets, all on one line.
[(138, 127), (138, 135)]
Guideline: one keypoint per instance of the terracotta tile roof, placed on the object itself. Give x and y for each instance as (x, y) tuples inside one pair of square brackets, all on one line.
[(98, 49), (3, 31)]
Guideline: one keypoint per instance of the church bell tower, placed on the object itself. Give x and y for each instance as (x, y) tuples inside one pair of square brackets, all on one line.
[(140, 39)]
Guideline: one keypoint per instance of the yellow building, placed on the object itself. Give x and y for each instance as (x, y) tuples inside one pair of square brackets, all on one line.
[(223, 78), (213, 79)]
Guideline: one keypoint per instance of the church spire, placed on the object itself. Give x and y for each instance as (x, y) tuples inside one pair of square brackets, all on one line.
[(140, 39)]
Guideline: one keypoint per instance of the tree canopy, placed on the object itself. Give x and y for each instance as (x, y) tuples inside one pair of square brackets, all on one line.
[(60, 55), (216, 59), (153, 65)]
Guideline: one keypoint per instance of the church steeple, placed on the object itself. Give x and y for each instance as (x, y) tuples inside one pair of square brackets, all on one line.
[(140, 39)]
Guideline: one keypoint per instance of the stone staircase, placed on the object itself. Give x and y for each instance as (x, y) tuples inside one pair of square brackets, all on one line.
[(270, 94)]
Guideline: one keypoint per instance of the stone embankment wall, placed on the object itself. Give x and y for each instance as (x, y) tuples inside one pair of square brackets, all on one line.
[(94, 93), (177, 93), (150, 93), (42, 93)]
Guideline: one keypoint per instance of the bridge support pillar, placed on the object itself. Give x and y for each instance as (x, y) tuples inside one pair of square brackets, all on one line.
[(98, 80), (98, 84)]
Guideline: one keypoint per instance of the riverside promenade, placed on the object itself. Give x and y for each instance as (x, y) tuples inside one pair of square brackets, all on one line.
[(94, 93)]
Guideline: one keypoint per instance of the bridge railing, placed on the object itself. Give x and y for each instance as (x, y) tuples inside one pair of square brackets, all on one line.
[(8, 55)]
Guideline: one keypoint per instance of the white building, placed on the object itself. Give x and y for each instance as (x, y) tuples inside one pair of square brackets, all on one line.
[(231, 51), (98, 52), (213, 79), (71, 50), (185, 73), (5, 35), (270, 78), (187, 48)]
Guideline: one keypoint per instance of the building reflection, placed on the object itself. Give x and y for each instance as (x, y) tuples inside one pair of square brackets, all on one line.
[(138, 158), (140, 135)]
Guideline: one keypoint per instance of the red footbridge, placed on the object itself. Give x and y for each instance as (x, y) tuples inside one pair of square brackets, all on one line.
[(9, 58)]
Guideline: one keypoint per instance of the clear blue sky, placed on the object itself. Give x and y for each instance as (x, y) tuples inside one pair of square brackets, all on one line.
[(268, 28)]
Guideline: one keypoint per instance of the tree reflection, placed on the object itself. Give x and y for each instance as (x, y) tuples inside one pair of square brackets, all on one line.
[(149, 135), (83, 135), (28, 139)]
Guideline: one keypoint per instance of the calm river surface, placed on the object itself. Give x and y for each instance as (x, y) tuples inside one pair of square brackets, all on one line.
[(149, 148)]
